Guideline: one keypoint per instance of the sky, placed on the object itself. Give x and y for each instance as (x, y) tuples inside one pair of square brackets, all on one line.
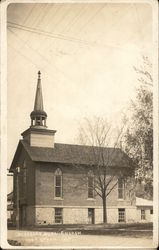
[(85, 52)]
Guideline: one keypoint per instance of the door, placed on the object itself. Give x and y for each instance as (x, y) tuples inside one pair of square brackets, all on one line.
[(91, 215), (22, 221)]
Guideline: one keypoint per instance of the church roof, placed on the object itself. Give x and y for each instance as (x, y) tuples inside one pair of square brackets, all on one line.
[(76, 154)]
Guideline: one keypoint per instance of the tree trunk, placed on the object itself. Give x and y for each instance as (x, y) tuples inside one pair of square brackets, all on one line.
[(104, 210)]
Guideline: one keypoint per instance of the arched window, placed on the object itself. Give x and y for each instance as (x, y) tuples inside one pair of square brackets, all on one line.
[(58, 183), (90, 184)]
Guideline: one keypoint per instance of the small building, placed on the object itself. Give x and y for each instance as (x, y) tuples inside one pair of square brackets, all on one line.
[(144, 210), (10, 207), (54, 182)]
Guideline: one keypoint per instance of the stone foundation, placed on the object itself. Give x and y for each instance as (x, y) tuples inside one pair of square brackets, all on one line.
[(45, 215), (148, 215), (75, 215), (131, 215)]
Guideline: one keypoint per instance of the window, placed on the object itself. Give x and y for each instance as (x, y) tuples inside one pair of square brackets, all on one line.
[(90, 185), (120, 188), (143, 215), (24, 172), (121, 215), (151, 211), (58, 215), (58, 183), (38, 121)]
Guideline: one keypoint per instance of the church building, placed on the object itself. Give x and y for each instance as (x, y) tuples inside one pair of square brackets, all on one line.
[(53, 183)]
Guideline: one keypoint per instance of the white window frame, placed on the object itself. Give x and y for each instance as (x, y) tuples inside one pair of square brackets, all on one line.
[(121, 189), (143, 214), (60, 215), (121, 215), (58, 172)]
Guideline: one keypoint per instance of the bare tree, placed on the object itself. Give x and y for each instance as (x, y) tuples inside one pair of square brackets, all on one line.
[(98, 133)]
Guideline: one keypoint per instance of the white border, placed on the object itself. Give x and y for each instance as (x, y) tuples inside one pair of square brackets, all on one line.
[(3, 118), (155, 58)]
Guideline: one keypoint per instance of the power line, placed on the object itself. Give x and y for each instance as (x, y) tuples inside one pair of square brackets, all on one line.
[(57, 24), (94, 15), (62, 37), (89, 19), (28, 16), (25, 42), (74, 20), (43, 57), (49, 34), (27, 58), (54, 13)]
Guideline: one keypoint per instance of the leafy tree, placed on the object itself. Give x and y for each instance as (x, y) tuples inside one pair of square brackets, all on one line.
[(139, 135)]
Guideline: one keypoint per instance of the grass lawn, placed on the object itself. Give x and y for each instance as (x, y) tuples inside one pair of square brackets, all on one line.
[(124, 229)]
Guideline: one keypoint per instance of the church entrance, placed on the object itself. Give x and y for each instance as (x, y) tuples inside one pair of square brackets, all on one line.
[(91, 215)]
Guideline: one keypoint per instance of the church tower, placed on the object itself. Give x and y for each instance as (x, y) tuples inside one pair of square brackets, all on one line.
[(38, 115), (38, 135)]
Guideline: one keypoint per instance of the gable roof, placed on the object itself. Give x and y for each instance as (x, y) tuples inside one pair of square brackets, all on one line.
[(10, 196), (75, 154)]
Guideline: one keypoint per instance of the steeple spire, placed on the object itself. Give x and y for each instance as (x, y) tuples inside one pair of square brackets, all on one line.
[(38, 115), (38, 105)]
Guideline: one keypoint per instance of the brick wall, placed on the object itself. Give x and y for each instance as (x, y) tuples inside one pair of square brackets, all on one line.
[(30, 215), (41, 192), (25, 195), (26, 192), (74, 188)]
